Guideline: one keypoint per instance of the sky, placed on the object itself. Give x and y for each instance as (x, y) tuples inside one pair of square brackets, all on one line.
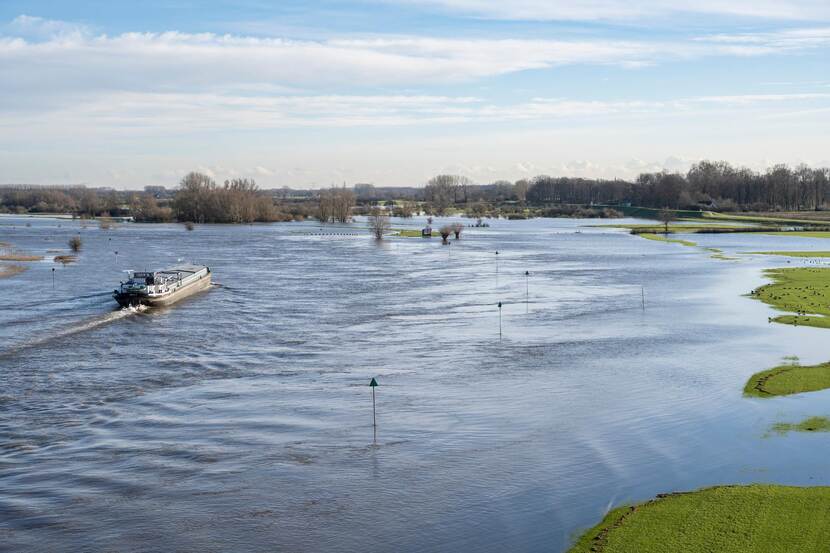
[(311, 93)]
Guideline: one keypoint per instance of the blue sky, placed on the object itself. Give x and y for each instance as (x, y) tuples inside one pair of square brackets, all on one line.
[(307, 94)]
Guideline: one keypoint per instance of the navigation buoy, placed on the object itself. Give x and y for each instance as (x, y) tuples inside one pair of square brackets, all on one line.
[(374, 384)]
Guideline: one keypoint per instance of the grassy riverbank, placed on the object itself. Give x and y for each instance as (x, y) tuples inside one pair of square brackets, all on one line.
[(412, 233), (749, 519), (665, 238), (802, 291), (813, 424), (786, 380), (802, 233), (715, 252), (794, 254)]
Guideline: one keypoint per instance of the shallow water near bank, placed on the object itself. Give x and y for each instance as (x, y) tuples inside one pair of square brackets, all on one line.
[(240, 419)]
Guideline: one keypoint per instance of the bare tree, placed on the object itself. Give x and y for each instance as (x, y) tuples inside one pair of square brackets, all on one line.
[(344, 202), (520, 190), (442, 191), (335, 204), (405, 209), (75, 243), (445, 231), (325, 206), (199, 199), (379, 223), (666, 216)]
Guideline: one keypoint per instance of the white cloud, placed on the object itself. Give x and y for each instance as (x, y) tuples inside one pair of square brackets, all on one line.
[(778, 42), (73, 61), (38, 27), (70, 92), (172, 60), (50, 65), (603, 10), (146, 114), (209, 77)]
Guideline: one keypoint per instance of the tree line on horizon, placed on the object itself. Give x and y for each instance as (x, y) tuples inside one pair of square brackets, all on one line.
[(713, 185)]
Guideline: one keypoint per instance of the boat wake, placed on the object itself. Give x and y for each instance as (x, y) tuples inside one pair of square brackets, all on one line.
[(101, 320), (62, 303), (83, 326)]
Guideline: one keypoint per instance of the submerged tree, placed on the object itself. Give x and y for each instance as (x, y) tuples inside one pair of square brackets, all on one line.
[(445, 231), (378, 223), (457, 228), (75, 243), (666, 216), (199, 199), (335, 204)]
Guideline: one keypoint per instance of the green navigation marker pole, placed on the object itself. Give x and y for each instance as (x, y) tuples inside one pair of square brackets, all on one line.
[(116, 257), (527, 291), (499, 321), (374, 384), (53, 278)]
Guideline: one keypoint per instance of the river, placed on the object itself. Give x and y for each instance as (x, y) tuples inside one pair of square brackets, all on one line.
[(241, 419)]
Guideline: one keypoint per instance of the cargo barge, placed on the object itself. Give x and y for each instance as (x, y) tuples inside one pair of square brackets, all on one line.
[(163, 287)]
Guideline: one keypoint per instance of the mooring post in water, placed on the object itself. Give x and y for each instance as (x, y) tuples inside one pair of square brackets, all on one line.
[(499, 321), (53, 278), (497, 262), (527, 291), (116, 257), (643, 296), (374, 384)]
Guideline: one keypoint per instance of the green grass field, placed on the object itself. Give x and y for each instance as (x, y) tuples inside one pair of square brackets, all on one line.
[(664, 238), (760, 219), (813, 424), (786, 380), (675, 228), (802, 234), (803, 291), (758, 518), (794, 254), (412, 233)]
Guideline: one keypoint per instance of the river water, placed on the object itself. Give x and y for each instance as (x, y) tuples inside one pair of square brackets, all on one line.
[(241, 419)]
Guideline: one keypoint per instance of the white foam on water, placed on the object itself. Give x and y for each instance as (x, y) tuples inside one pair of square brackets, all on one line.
[(83, 326)]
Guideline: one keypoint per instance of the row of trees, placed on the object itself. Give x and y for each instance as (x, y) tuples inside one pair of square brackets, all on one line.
[(61, 199), (198, 199), (201, 200), (714, 185), (335, 205), (708, 184)]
